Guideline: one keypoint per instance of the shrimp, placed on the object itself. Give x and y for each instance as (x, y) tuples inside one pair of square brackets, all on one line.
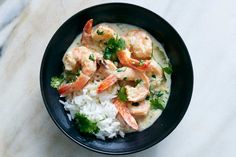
[(140, 110), (79, 56), (106, 68), (86, 35), (134, 94), (103, 33), (113, 75), (79, 84), (124, 57), (142, 65), (139, 43), (140, 92), (155, 68), (125, 113)]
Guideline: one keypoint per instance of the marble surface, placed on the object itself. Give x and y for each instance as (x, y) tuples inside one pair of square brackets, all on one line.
[(209, 30)]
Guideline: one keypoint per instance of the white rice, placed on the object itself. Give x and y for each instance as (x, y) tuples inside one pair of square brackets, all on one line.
[(97, 107)]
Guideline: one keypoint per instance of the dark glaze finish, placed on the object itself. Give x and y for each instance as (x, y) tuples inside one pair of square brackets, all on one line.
[(182, 77)]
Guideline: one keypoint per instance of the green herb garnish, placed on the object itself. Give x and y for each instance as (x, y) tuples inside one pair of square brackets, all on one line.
[(113, 45), (157, 103), (141, 62), (121, 69), (168, 70), (156, 99), (78, 72), (100, 32), (85, 125), (70, 77), (159, 93), (56, 81), (125, 78), (138, 81), (66, 76), (122, 94), (91, 57)]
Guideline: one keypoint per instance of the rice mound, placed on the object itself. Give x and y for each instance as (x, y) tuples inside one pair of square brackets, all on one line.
[(96, 107)]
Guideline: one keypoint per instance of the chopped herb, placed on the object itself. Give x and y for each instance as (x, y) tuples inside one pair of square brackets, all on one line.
[(125, 78), (56, 81), (66, 76), (159, 93), (112, 46), (85, 125), (157, 103), (141, 62), (138, 81), (120, 69), (69, 76), (156, 99), (78, 72), (168, 70), (100, 32), (153, 76), (122, 94), (91, 57), (135, 103), (116, 63)]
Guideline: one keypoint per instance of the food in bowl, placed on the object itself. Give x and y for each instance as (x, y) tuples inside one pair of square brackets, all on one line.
[(116, 80)]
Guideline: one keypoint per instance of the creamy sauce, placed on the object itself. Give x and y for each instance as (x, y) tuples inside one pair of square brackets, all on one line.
[(159, 56)]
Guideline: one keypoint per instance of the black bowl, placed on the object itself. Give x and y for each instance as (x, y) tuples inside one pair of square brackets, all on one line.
[(182, 77)]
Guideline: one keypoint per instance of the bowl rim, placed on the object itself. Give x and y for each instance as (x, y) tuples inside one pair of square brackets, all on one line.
[(148, 145)]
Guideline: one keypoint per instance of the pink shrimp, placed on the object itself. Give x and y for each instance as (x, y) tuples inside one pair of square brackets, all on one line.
[(87, 31), (71, 59), (140, 110), (126, 60), (125, 113)]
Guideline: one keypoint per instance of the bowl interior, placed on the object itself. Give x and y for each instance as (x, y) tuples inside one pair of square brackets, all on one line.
[(182, 77)]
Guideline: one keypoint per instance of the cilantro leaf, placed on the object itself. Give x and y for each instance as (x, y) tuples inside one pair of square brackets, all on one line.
[(141, 62), (112, 46), (157, 103), (100, 32), (168, 70), (122, 94), (138, 81), (110, 54), (91, 57), (69, 76), (156, 99), (121, 69), (56, 81), (85, 125)]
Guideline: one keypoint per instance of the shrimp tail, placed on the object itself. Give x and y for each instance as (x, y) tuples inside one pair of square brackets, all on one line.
[(125, 113), (108, 82), (80, 82), (64, 89), (132, 63), (87, 30)]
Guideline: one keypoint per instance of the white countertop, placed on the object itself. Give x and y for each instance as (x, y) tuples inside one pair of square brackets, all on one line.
[(209, 30)]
